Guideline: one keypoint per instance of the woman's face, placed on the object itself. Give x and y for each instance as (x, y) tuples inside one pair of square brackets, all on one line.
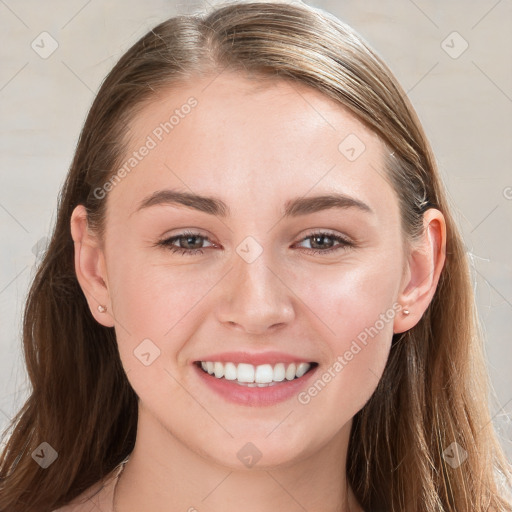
[(250, 289)]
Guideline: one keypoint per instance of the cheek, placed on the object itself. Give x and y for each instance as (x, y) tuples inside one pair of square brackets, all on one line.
[(156, 302), (355, 307), (151, 297), (349, 298)]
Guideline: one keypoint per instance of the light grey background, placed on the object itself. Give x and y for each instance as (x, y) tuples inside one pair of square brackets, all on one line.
[(463, 97)]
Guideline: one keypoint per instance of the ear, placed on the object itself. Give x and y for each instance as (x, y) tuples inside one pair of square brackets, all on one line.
[(423, 268), (90, 267)]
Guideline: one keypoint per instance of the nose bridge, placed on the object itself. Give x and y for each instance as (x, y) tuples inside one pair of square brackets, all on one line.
[(258, 299)]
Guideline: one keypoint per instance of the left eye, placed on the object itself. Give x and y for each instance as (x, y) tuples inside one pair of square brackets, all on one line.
[(318, 239), (189, 242)]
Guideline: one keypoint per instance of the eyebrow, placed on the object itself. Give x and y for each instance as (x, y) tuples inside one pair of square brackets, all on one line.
[(215, 206)]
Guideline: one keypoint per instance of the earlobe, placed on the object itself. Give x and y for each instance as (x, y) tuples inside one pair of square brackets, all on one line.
[(90, 267), (425, 263)]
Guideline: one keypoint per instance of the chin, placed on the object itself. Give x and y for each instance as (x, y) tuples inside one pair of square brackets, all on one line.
[(258, 452)]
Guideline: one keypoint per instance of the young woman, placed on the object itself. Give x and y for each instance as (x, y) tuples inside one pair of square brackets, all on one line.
[(255, 297)]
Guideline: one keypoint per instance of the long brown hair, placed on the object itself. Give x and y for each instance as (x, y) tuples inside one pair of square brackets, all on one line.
[(434, 390)]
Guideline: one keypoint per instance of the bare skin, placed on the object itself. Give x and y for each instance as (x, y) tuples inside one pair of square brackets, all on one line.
[(254, 148)]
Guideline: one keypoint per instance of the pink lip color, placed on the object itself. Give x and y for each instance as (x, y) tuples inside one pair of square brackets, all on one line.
[(255, 358), (244, 395)]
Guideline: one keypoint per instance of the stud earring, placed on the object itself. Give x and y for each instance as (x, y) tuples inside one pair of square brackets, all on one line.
[(406, 311), (102, 309)]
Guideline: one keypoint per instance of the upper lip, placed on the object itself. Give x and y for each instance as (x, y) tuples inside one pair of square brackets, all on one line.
[(255, 359)]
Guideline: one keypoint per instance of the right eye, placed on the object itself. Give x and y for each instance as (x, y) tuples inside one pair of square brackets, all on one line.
[(190, 239)]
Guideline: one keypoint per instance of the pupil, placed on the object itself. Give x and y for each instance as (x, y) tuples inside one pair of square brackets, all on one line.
[(321, 238), (189, 238)]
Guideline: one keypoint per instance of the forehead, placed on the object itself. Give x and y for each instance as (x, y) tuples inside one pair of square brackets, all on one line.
[(251, 143)]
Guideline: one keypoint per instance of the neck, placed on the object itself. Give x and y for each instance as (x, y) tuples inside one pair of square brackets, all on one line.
[(164, 475)]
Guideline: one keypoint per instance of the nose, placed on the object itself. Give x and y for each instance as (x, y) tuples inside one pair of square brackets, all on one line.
[(256, 298)]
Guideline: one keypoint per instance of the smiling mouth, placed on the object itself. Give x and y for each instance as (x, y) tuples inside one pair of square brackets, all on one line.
[(263, 375)]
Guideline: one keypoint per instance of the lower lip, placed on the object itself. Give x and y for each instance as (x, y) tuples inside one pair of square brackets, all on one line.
[(270, 395)]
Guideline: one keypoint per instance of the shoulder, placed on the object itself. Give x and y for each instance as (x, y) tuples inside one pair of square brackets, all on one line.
[(97, 497)]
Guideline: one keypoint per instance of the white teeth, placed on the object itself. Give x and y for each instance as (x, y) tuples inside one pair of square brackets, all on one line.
[(301, 369), (249, 375), (290, 372), (264, 374), (218, 369), (230, 371), (245, 372), (279, 372)]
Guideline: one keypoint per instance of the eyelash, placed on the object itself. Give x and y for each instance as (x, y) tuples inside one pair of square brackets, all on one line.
[(168, 243)]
